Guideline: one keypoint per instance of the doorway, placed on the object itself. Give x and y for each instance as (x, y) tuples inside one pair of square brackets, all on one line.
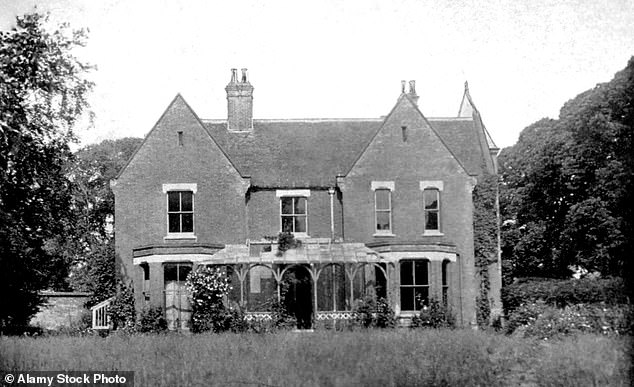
[(297, 295)]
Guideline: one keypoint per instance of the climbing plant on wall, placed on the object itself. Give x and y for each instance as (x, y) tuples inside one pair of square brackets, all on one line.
[(485, 228)]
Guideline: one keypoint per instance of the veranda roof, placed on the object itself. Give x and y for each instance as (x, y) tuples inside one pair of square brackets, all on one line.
[(337, 252)]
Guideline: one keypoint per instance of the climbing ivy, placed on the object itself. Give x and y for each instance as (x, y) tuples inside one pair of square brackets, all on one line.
[(485, 229)]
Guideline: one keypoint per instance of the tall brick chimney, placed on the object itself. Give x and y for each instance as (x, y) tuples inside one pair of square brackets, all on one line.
[(239, 102)]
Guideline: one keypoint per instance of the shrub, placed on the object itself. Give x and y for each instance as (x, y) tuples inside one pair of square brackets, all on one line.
[(282, 318), (152, 320), (544, 321), (208, 288), (563, 292), (121, 310), (285, 242), (436, 315), (370, 312)]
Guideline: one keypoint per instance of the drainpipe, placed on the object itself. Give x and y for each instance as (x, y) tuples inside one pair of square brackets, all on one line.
[(331, 192)]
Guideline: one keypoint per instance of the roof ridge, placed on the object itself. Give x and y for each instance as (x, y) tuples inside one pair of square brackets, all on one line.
[(372, 119), (449, 118)]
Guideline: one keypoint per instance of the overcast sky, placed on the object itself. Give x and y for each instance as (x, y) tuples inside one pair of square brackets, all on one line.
[(323, 59)]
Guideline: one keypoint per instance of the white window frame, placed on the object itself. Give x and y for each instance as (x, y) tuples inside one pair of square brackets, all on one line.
[(415, 285), (294, 193), (180, 187), (438, 186), (389, 186)]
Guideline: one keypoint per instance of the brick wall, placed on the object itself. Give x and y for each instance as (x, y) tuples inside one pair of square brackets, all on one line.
[(406, 161), (141, 204), (61, 309), (264, 214)]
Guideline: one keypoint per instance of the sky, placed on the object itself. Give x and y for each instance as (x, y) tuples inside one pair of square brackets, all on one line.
[(341, 59)]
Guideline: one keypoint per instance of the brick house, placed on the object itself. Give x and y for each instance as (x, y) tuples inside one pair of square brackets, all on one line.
[(383, 207)]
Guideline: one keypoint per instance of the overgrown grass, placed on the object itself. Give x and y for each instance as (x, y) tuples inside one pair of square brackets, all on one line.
[(368, 358)]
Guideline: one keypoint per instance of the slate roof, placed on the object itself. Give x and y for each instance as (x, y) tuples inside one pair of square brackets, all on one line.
[(294, 153), (312, 152), (461, 137)]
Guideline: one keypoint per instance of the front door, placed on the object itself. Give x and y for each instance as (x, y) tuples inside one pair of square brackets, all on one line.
[(298, 295), (177, 308)]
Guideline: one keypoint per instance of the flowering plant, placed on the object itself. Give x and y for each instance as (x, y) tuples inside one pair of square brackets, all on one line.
[(208, 287)]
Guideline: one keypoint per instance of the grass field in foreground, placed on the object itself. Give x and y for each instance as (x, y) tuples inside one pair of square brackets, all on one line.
[(367, 358)]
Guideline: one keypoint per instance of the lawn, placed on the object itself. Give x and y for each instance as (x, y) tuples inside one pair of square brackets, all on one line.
[(323, 358)]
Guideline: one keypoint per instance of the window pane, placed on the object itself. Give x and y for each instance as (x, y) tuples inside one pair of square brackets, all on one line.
[(383, 221), (173, 201), (422, 297), (287, 205), (444, 272), (300, 205), (382, 199), (407, 299), (431, 221), (406, 273), (287, 223), (170, 272), (187, 200), (421, 276), (431, 199), (300, 224), (174, 222), (188, 222), (183, 272)]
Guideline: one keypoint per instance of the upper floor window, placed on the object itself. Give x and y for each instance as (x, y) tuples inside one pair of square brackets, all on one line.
[(294, 214), (383, 207), (431, 206), (414, 284), (293, 210), (180, 212), (383, 210)]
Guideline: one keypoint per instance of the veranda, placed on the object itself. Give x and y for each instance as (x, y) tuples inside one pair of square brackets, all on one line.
[(315, 281)]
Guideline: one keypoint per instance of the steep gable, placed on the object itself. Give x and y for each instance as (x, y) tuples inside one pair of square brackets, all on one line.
[(162, 142), (405, 132)]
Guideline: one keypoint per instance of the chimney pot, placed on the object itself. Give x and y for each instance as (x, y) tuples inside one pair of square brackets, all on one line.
[(412, 88), (244, 76), (403, 87), (234, 75)]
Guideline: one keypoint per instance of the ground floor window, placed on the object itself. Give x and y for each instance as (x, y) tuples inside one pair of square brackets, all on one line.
[(414, 284)]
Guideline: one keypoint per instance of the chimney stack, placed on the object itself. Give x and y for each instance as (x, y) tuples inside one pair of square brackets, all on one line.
[(239, 102), (412, 92)]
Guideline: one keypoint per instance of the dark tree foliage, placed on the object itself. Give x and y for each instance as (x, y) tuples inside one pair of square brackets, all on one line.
[(566, 196), (92, 246), (42, 95)]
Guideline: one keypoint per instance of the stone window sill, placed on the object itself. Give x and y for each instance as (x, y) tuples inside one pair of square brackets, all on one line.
[(384, 234), (433, 233), (180, 236)]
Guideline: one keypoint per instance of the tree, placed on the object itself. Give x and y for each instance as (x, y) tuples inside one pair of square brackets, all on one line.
[(43, 94), (92, 200), (568, 184)]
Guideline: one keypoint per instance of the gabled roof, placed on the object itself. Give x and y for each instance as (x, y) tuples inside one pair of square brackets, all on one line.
[(461, 137), (300, 153)]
